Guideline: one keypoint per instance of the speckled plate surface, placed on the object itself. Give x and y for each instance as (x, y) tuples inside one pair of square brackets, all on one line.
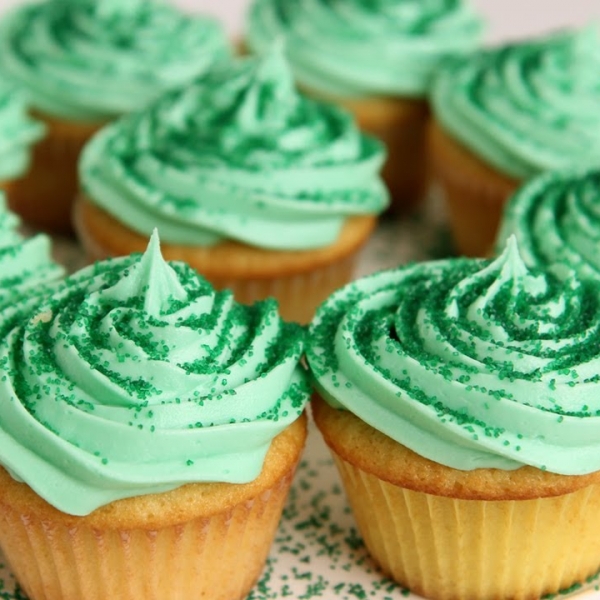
[(318, 552)]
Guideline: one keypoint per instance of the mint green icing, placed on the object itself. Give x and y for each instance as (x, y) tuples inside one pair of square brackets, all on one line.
[(136, 377), (26, 265), (527, 107), (237, 154), (556, 219), (17, 133), (92, 60), (469, 363), (365, 47)]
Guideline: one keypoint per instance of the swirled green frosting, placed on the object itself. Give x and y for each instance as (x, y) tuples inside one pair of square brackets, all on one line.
[(556, 219), (17, 133), (240, 155), (365, 47), (93, 60), (136, 377), (26, 265), (528, 107), (469, 363)]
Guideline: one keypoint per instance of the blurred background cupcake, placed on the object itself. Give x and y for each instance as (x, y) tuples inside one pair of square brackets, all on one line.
[(82, 63), (460, 399), (503, 116), (149, 432), (18, 133), (259, 188), (375, 58)]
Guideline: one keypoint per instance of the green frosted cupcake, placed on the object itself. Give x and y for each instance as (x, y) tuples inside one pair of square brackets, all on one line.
[(149, 431), (506, 115), (461, 402), (377, 59), (83, 63)]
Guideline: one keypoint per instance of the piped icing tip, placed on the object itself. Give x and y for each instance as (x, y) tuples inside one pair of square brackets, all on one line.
[(140, 378), (556, 220), (526, 107), (469, 363), (239, 155), (152, 279)]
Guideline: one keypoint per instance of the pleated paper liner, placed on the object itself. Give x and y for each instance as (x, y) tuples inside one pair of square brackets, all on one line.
[(448, 546), (144, 548)]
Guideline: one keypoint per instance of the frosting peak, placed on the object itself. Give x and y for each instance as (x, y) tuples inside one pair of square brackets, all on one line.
[(469, 363), (151, 279), (134, 386)]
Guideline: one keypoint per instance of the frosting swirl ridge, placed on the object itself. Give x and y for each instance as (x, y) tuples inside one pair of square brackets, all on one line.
[(469, 363), (89, 60), (26, 265), (556, 219), (140, 378), (365, 47), (240, 155), (527, 107)]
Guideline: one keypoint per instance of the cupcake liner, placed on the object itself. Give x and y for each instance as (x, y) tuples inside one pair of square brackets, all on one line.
[(474, 192), (219, 557), (44, 197), (453, 549), (298, 295), (205, 540)]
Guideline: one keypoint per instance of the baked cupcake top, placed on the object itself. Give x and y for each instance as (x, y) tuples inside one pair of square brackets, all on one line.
[(527, 107), (92, 60), (556, 219), (237, 155), (26, 265), (365, 47), (17, 132), (469, 363), (136, 377)]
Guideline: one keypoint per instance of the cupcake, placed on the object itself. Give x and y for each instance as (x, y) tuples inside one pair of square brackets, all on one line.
[(26, 265), (376, 59), (82, 63), (150, 428), (460, 400), (556, 219), (18, 132), (257, 187), (506, 115)]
